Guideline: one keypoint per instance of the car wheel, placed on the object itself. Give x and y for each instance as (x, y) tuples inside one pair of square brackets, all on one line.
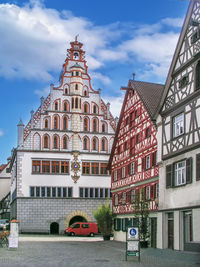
[(91, 234), (72, 234)]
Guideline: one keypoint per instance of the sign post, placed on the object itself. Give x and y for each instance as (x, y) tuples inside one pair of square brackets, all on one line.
[(14, 234), (133, 242)]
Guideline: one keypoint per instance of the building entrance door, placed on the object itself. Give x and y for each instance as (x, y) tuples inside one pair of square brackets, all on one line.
[(171, 230), (153, 232)]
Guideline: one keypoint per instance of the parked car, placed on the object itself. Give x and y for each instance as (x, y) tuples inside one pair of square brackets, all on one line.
[(4, 224), (82, 228)]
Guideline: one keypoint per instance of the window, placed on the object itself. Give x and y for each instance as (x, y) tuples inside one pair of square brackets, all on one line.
[(156, 190), (115, 175), (65, 123), (94, 125), (85, 93), (76, 86), (116, 200), (56, 105), (76, 102), (103, 168), (197, 74), (132, 118), (195, 36), (132, 168), (94, 144), (55, 142), (65, 106), (198, 167), (137, 138), (85, 108), (180, 173), (55, 166), (148, 193), (132, 196), (46, 141), (59, 191), (77, 73), (124, 198), (94, 109), (85, 125), (184, 81), (36, 166), (32, 191), (72, 102), (103, 144), (127, 121), (46, 124), (45, 166), (64, 142), (123, 172), (148, 162), (37, 191), (86, 168), (117, 224), (132, 146), (103, 128), (125, 146), (66, 91), (55, 122), (85, 144), (147, 132), (65, 167), (178, 125), (95, 168)]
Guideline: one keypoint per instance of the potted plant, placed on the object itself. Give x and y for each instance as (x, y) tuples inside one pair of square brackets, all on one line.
[(104, 217)]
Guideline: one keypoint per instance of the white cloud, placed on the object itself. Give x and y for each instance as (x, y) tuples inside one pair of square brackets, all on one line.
[(115, 104), (1, 133), (34, 40)]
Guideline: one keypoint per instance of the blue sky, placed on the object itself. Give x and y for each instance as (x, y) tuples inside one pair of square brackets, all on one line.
[(119, 37)]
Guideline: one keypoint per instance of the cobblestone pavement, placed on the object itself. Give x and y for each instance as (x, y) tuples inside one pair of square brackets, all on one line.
[(65, 252)]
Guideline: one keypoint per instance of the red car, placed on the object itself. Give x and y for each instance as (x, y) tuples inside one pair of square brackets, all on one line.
[(82, 228)]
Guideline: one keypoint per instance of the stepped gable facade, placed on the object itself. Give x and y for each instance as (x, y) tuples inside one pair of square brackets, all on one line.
[(59, 166)]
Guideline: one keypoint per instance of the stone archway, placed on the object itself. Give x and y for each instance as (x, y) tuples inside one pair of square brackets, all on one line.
[(76, 213)]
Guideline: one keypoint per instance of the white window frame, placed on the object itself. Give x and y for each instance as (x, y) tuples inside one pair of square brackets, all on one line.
[(132, 195), (148, 192), (148, 162), (132, 168), (115, 175), (178, 125), (123, 172), (180, 173)]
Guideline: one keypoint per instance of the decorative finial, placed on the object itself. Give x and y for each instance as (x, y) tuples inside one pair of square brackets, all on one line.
[(76, 37), (133, 76)]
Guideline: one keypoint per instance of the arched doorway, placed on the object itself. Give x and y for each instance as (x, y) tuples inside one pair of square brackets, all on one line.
[(54, 228), (77, 219)]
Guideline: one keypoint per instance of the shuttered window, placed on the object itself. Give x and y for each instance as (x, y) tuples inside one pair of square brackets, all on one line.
[(198, 167)]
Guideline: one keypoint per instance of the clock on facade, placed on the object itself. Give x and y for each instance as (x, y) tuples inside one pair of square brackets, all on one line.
[(75, 166), (76, 55)]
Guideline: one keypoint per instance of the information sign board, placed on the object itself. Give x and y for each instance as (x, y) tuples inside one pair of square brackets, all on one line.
[(133, 245), (132, 233)]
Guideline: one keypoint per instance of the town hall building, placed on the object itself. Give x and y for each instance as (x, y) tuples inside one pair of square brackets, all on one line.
[(59, 168)]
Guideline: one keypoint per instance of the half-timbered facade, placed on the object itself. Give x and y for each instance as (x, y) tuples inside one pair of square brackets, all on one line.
[(133, 162), (179, 142), (59, 167), (4, 191)]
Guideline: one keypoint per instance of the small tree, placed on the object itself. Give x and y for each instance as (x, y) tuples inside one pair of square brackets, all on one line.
[(104, 217), (141, 211)]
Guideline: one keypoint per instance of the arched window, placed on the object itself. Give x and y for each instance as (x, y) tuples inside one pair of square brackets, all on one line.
[(46, 124), (66, 91), (103, 128), (76, 86), (197, 73), (94, 109), (65, 142), (56, 122), (65, 106), (46, 141), (85, 108), (85, 144), (85, 125), (55, 142), (76, 102), (85, 93), (65, 123), (94, 144), (56, 105), (103, 144), (94, 125), (72, 102)]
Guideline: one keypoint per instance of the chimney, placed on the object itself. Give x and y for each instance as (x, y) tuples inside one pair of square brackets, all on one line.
[(20, 137), (108, 110)]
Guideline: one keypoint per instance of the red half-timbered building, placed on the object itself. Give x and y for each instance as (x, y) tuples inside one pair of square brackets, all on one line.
[(133, 157)]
